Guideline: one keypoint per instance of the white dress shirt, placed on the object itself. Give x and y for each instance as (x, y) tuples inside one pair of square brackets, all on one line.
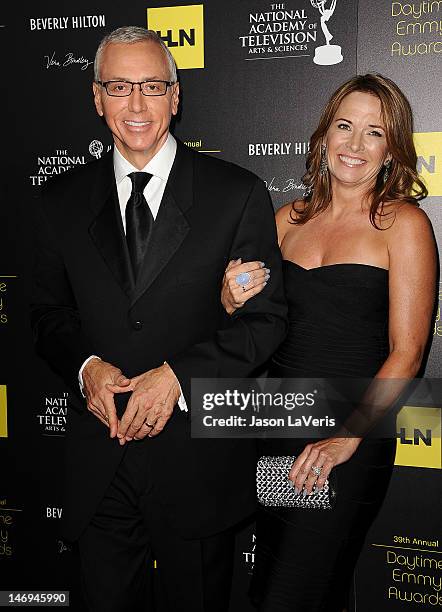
[(159, 167)]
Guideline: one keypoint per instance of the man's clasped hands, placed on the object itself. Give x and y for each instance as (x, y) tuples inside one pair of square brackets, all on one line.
[(153, 397)]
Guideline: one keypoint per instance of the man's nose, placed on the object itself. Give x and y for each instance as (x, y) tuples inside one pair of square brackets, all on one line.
[(137, 102)]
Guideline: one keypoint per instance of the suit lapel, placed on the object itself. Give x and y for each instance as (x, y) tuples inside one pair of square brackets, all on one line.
[(171, 225), (106, 230)]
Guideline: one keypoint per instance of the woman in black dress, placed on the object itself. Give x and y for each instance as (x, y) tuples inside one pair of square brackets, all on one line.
[(359, 270)]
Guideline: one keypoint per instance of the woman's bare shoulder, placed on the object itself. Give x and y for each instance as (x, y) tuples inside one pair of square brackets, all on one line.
[(403, 217)]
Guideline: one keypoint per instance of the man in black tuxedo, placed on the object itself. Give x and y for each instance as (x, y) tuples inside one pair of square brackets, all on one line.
[(131, 254)]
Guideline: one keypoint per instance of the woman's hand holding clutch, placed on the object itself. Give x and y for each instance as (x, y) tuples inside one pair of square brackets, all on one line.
[(313, 466)]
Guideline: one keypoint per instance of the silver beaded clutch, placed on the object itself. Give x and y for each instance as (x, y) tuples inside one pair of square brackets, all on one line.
[(275, 489)]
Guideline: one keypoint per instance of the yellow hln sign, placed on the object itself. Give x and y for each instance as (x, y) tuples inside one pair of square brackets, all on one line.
[(3, 412), (182, 30), (418, 437), (429, 160)]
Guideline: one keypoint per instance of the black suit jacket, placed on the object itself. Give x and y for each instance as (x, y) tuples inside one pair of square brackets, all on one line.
[(85, 302)]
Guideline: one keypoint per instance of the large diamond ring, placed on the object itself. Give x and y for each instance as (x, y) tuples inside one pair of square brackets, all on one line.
[(316, 470), (243, 279)]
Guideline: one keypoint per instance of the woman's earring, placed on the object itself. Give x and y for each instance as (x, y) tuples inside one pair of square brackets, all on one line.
[(387, 166), (323, 167), (307, 192)]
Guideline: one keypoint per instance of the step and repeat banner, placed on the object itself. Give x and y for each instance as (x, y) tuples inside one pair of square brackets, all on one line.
[(254, 76)]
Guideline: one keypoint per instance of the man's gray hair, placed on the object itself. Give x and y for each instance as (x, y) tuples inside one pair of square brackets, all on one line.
[(130, 35)]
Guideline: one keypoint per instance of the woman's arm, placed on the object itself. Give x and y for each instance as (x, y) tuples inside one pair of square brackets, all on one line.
[(234, 295), (412, 290)]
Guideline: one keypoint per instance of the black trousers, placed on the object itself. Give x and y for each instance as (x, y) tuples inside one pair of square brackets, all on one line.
[(129, 531)]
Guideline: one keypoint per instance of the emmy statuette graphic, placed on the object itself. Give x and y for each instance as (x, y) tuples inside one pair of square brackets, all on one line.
[(326, 55), (96, 148)]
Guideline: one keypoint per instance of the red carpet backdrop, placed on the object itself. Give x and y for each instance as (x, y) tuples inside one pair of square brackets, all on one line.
[(254, 76)]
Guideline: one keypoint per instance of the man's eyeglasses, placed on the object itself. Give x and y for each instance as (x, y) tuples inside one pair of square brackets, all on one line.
[(120, 89)]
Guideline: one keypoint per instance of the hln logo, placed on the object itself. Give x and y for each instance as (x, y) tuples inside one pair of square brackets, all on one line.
[(419, 437), (182, 30), (429, 160), (3, 412)]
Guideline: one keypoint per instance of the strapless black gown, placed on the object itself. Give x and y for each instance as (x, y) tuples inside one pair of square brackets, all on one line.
[(304, 559)]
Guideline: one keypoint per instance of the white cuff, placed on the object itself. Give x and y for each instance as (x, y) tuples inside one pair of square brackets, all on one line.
[(80, 373), (181, 401)]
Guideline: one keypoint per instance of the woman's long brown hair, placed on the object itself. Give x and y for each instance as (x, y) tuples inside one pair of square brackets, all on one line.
[(403, 183)]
